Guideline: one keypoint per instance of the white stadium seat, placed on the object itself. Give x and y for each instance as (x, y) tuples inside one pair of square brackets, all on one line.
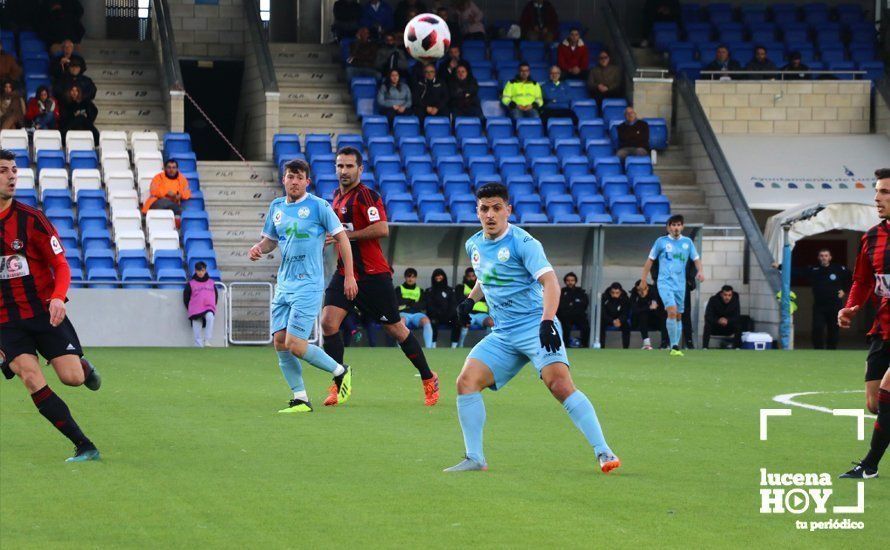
[(47, 139), (53, 178), (115, 161), (144, 187), (85, 178), (25, 179), (163, 240), (129, 240), (122, 179), (78, 140), (144, 142), (126, 220), (113, 140), (14, 139), (159, 221)]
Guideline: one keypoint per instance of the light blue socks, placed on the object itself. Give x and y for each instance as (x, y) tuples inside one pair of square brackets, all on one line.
[(292, 370), (581, 412), (471, 412), (428, 335), (675, 329), (320, 359)]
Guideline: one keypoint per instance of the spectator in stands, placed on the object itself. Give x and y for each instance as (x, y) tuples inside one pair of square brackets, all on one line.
[(557, 97), (723, 62), (572, 56), (378, 17), (830, 282), (761, 63), (470, 19), (347, 18), (605, 80), (572, 310), (440, 306), (394, 97), (430, 96), (9, 67), (615, 307), (391, 55), (539, 21), (74, 77), (449, 64), (12, 107), (479, 318), (647, 313), (403, 9), (464, 93), (412, 304), (633, 136), (60, 20), (168, 189), (362, 56), (59, 64), (200, 297), (522, 95), (795, 68), (43, 110), (723, 317), (658, 11), (78, 113)]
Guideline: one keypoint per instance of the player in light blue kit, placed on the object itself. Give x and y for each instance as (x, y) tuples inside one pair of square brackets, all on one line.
[(522, 292), (672, 252), (299, 223)]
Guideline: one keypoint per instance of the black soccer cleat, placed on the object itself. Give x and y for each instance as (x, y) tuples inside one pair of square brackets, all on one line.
[(861, 471), (93, 380)]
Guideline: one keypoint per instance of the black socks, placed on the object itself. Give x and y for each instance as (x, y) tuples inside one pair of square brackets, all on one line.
[(880, 437), (56, 411), (412, 350), (333, 346)]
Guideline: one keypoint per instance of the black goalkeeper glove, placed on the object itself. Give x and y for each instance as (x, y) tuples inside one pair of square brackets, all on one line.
[(550, 339), (463, 311)]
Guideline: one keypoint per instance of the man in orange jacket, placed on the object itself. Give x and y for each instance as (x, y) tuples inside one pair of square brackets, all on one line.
[(168, 189)]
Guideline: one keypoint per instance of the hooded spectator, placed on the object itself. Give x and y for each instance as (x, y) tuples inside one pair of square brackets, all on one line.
[(200, 297), (647, 313), (441, 306), (470, 19), (79, 113), (572, 311), (43, 110), (605, 79), (449, 64), (539, 21), (430, 96), (572, 56), (74, 77), (391, 55), (347, 18), (12, 107), (615, 307), (394, 97), (9, 67), (59, 64), (464, 92), (378, 17)]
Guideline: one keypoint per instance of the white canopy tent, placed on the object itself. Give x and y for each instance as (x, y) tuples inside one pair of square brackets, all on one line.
[(845, 215)]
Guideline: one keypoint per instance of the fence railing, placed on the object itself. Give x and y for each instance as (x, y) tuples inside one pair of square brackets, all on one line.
[(622, 47), (776, 75), (256, 29)]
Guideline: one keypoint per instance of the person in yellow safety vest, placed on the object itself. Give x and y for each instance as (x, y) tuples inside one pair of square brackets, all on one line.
[(522, 95), (479, 318), (412, 303)]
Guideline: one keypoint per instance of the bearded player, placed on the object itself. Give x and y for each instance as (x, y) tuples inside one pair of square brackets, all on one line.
[(34, 280), (872, 274), (360, 209)]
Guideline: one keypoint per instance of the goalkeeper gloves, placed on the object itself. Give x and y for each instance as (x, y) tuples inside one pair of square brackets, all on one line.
[(463, 311), (550, 339)]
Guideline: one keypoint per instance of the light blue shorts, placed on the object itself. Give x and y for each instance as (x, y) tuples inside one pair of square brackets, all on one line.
[(412, 320), (477, 320), (673, 297), (296, 312), (505, 353)]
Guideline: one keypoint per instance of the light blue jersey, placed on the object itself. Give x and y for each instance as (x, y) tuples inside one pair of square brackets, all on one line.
[(508, 268), (299, 228), (672, 255)]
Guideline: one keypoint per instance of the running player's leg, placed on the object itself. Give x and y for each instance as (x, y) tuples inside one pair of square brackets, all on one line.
[(876, 364), (336, 308), (61, 347), (290, 367), (880, 436), (304, 309), (673, 304)]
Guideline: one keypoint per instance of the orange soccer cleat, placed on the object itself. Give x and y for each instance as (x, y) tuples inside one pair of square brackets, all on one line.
[(333, 393), (431, 390), (341, 389)]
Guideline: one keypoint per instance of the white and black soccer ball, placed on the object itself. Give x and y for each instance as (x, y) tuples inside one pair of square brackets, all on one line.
[(427, 37)]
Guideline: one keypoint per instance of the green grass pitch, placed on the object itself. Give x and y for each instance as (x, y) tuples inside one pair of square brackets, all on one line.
[(194, 455)]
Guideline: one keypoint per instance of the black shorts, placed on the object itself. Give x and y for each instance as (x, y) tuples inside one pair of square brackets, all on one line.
[(376, 298), (878, 359), (30, 336)]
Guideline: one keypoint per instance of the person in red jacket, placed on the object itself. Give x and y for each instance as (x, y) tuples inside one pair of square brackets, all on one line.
[(871, 281), (572, 56), (539, 21), (43, 110)]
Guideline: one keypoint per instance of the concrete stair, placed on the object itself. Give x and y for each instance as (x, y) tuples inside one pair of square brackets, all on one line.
[(678, 184), (128, 87), (314, 97)]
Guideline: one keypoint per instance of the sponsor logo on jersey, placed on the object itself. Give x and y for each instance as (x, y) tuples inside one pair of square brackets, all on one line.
[(55, 244), (373, 214), (277, 217), (14, 267), (504, 254), (303, 212), (685, 246), (475, 258)]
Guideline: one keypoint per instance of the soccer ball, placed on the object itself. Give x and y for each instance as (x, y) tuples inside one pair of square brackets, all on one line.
[(427, 37)]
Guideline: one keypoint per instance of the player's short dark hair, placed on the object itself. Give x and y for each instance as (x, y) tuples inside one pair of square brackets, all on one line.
[(200, 265), (569, 274), (882, 173), (676, 218), (493, 191), (410, 272), (297, 165), (352, 151), (726, 288), (6, 154)]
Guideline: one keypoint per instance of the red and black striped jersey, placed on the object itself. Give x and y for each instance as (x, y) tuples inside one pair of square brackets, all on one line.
[(871, 278), (357, 209), (33, 268)]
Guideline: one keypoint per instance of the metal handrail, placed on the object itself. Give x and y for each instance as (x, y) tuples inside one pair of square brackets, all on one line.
[(260, 46), (770, 75), (170, 60), (619, 41), (755, 238)]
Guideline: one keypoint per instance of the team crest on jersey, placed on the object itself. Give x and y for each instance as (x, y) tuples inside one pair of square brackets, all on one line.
[(504, 254), (475, 258), (277, 217), (832, 276), (55, 244), (685, 246), (303, 212), (17, 245), (668, 247)]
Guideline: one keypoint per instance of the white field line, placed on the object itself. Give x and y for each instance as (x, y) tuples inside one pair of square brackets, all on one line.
[(789, 399)]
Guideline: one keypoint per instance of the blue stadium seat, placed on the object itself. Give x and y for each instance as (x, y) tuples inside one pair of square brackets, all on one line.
[(658, 133), (83, 159), (102, 274), (527, 204), (698, 32), (283, 146), (325, 186), (412, 146), (61, 217), (50, 159), (502, 49), (188, 162), (181, 142), (498, 128), (457, 181), (482, 166), (420, 164), (462, 203), (27, 196), (560, 128), (529, 128), (405, 126), (393, 183), (383, 145), (174, 278), (622, 204), (681, 52), (385, 165), (136, 275), (54, 199), (862, 54), (762, 32), (655, 205), (568, 147), (363, 87), (506, 147), (428, 184), (91, 198), (599, 148), (637, 166), (437, 217), (350, 140), (431, 202), (22, 158), (206, 256), (533, 51), (585, 109), (467, 127), (471, 147), (591, 129), (443, 147), (197, 242), (375, 126), (536, 148), (689, 69), (481, 69), (583, 185), (95, 238), (399, 202), (874, 69), (450, 165), (34, 81), (577, 90), (533, 217), (129, 259), (98, 258), (613, 186), (489, 90), (73, 257), (544, 166), (553, 184), (646, 185), (607, 166), (843, 66), (512, 166), (591, 204), (613, 109), (436, 127), (573, 166), (197, 200), (323, 164), (91, 218), (317, 144), (473, 50), (597, 218), (405, 216), (520, 187), (832, 54), (665, 33), (167, 259)]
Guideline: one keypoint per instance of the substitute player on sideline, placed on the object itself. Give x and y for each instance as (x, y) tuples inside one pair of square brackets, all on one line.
[(362, 213), (523, 295), (34, 280), (298, 223), (672, 252), (872, 274)]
